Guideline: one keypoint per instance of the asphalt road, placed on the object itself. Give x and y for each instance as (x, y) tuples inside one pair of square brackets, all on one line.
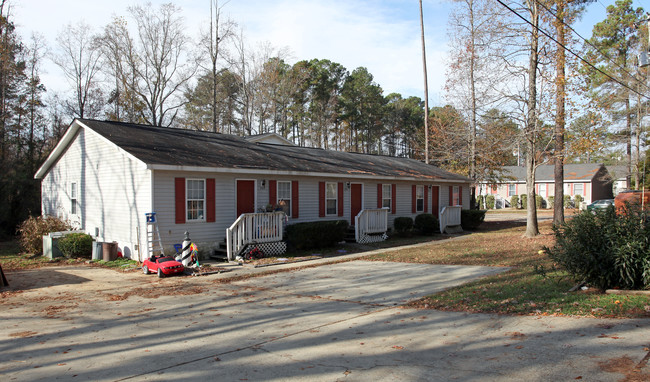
[(334, 322)]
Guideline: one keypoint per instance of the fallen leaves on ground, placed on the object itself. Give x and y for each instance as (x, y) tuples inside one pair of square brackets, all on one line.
[(156, 292)]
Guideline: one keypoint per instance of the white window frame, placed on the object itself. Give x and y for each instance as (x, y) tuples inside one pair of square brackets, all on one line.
[(386, 195), (194, 213), (329, 198), (582, 189), (455, 196), (419, 198), (512, 189), (285, 198), (543, 189), (74, 198)]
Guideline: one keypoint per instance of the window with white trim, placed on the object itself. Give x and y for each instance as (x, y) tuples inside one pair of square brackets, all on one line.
[(578, 189), (386, 195), (512, 189), (73, 198), (331, 198), (419, 198), (542, 189), (456, 196), (284, 197), (195, 199)]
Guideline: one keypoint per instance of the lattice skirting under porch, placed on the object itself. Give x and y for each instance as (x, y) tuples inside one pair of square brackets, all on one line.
[(365, 238), (268, 249)]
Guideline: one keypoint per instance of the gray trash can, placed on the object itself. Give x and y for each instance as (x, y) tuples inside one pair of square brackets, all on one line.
[(97, 250)]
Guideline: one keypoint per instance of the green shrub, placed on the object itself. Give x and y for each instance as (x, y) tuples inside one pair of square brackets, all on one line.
[(568, 203), (31, 231), (514, 201), (320, 234), (403, 225), (524, 201), (480, 201), (76, 245), (471, 219), (578, 199), (427, 224), (539, 201), (551, 200), (606, 249), (489, 201)]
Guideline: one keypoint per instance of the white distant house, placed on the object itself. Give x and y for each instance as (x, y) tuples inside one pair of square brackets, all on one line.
[(592, 181), (619, 176), (105, 176)]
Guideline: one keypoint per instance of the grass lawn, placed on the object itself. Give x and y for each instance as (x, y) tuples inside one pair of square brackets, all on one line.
[(13, 258), (522, 290)]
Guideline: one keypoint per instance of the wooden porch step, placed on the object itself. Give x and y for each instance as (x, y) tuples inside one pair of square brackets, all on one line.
[(220, 253), (350, 235)]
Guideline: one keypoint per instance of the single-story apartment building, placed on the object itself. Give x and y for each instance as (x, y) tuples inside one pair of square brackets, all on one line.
[(105, 176), (591, 181)]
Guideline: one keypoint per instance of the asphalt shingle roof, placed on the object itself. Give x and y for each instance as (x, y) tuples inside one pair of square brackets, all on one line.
[(572, 172), (180, 147)]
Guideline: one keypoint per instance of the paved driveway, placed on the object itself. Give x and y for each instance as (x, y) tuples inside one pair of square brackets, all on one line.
[(328, 323)]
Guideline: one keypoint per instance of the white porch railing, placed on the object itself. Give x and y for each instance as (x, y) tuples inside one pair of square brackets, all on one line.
[(258, 228), (370, 221), (449, 216)]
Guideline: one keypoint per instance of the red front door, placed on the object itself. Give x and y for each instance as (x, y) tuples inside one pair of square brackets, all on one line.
[(435, 196), (245, 196), (355, 201)]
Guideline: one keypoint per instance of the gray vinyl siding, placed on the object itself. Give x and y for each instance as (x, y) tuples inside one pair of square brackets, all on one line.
[(210, 234), (202, 233), (444, 196), (113, 191)]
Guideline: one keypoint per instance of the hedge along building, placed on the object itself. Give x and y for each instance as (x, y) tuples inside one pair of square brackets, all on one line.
[(105, 176)]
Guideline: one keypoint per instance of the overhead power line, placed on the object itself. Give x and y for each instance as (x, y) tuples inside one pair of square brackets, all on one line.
[(611, 60), (573, 53)]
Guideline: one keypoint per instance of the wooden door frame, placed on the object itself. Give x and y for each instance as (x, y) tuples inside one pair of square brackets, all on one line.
[(435, 213), (254, 193), (362, 200)]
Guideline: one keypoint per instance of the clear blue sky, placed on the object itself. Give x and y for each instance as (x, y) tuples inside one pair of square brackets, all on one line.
[(382, 35)]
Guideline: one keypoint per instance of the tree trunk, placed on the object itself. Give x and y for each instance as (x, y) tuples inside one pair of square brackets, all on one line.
[(560, 85), (472, 125), (628, 146), (532, 229), (426, 91)]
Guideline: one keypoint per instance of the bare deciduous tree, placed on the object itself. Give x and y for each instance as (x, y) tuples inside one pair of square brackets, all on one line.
[(119, 51), (161, 62), (212, 41), (475, 72), (79, 57)]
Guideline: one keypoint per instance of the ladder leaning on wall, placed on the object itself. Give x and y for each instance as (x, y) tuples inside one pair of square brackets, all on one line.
[(154, 242)]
